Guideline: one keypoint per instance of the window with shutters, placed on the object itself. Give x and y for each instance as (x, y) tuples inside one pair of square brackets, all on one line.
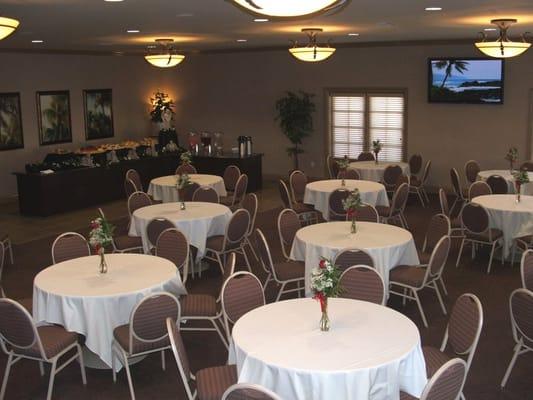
[(357, 119)]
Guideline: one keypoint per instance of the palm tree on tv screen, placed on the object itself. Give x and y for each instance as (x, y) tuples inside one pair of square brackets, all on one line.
[(449, 66)]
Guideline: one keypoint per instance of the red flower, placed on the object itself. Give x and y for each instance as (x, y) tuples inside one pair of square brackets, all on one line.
[(322, 298), (322, 264)]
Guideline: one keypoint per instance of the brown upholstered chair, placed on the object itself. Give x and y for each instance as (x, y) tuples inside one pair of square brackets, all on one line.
[(145, 333), (333, 167), (456, 229), (188, 192), (138, 200), (365, 213), (8, 246), (68, 246), (391, 174), (360, 282), (446, 384), (297, 183), (347, 258), (26, 302), (231, 176), (418, 186), (336, 209), (439, 226), (125, 243), (395, 210), (185, 169), (241, 292), (415, 165), (366, 156), (21, 339), (135, 178), (471, 171), (349, 174), (219, 246), (475, 222), (249, 391), (250, 203), (461, 195), (526, 270), (211, 383), (478, 188), (306, 212), (527, 165), (235, 200), (498, 184), (283, 273), (206, 194), (406, 281), (288, 225), (522, 243), (129, 187), (154, 228), (173, 245), (204, 307)]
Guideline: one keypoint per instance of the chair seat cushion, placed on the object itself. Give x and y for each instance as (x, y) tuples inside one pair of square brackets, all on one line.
[(211, 383), (484, 237), (408, 275), (54, 338), (383, 211), (300, 208), (122, 336), (198, 305), (290, 270), (434, 359), (215, 243), (128, 242)]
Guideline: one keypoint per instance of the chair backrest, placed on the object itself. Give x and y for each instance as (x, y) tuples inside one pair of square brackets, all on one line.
[(361, 282), (288, 225), (521, 309), (439, 256), (527, 165), (447, 383), (439, 226), (249, 391), (366, 213), (497, 184), (349, 174), (336, 209), (297, 182), (173, 245), (237, 227), (475, 218), (206, 194), (403, 178), (185, 169), (366, 156), (399, 198), (155, 227), (472, 170), (478, 188), (456, 183), (250, 204), (231, 176), (129, 187), (333, 167), (265, 257), (138, 200), (68, 246), (415, 163), (240, 189), (2, 258), (229, 269), (135, 177), (526, 269), (188, 192), (427, 168), (284, 194), (180, 355), (444, 207), (391, 174), (148, 318), (347, 258), (16, 327)]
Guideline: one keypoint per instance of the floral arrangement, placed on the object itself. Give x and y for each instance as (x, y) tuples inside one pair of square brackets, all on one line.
[(343, 163), (186, 158), (161, 102), (521, 177), (350, 205), (101, 234), (512, 155), (325, 283), (183, 181), (376, 146)]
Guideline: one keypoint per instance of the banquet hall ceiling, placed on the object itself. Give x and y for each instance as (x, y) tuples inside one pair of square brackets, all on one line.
[(210, 25)]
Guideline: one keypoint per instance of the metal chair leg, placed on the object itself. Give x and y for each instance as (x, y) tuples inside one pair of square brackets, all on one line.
[(442, 306), (51, 381), (424, 320), (511, 364), (460, 252), (491, 256), (6, 376)]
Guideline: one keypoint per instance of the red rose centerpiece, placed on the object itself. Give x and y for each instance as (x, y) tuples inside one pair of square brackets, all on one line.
[(182, 183), (351, 204), (325, 281), (520, 177), (100, 236), (343, 164), (512, 157)]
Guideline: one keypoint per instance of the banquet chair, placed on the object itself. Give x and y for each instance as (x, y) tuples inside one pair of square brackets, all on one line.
[(456, 229), (220, 246), (336, 209), (477, 230), (403, 178), (283, 273), (365, 213), (135, 178), (411, 279), (306, 212), (333, 167), (361, 282), (154, 228), (527, 165), (211, 383), (129, 187), (471, 171), (188, 192), (526, 270), (205, 307), (231, 176), (27, 303), (522, 243), (251, 204), (288, 225), (418, 186), (145, 333), (235, 200), (395, 210), (173, 245), (349, 174), (185, 169), (478, 188), (297, 183), (439, 226), (415, 165), (366, 156), (460, 194), (390, 177), (462, 335), (8, 246), (241, 292), (521, 310), (22, 339), (446, 384), (347, 258), (138, 200), (124, 243), (206, 194), (69, 245), (498, 184), (249, 391)]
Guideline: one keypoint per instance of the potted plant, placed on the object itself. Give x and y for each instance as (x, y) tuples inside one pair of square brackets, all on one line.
[(295, 118), (162, 113)]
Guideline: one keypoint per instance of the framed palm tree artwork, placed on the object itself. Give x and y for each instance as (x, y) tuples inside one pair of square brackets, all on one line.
[(53, 116), (98, 110), (10, 122)]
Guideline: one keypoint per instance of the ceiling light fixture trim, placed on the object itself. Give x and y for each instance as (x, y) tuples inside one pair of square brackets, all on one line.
[(7, 26), (167, 57), (503, 47), (290, 9), (312, 52)]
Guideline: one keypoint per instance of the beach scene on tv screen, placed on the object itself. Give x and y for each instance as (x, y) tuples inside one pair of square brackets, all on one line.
[(466, 81)]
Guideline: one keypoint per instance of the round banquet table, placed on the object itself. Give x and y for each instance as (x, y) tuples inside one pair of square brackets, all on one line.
[(389, 245), (370, 171), (506, 174), (75, 295), (371, 351), (514, 219), (164, 188), (198, 221), (317, 193)]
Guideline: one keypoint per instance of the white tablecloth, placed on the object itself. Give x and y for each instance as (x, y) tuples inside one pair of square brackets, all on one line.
[(74, 294), (524, 189), (514, 219), (371, 351), (317, 193), (197, 222), (370, 171), (389, 245), (164, 188)]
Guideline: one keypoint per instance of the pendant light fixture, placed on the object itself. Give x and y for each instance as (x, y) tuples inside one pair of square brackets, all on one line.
[(166, 57), (7, 26), (289, 9), (312, 52), (503, 47)]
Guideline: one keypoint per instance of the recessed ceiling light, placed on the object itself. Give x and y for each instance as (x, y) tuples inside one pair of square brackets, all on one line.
[(37, 41), (133, 31), (241, 40), (113, 1), (261, 20), (353, 34), (433, 8), (490, 29), (185, 15)]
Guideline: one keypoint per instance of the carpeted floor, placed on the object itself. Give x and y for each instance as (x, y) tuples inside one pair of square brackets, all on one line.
[(205, 349)]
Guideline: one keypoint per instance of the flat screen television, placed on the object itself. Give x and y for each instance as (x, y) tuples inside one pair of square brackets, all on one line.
[(465, 80)]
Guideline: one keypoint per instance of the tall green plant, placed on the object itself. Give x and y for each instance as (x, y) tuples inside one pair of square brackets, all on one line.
[(160, 103), (295, 118)]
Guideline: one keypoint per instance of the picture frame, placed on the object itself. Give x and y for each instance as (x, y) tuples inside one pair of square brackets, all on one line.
[(53, 117), (98, 113), (11, 132)]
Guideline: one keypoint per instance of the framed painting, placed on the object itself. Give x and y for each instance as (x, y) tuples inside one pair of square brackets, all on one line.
[(53, 117), (11, 136), (98, 110)]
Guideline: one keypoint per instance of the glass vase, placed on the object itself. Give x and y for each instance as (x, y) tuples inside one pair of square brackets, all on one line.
[(353, 227), (181, 196), (103, 264), (511, 167), (376, 157), (518, 186), (324, 320)]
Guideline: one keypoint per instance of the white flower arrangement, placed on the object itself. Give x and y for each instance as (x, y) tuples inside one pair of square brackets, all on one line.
[(325, 280), (183, 181), (101, 234), (186, 158)]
